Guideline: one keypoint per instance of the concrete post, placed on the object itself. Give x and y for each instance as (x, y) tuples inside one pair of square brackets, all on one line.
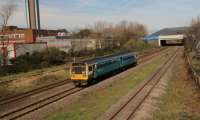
[(159, 42)]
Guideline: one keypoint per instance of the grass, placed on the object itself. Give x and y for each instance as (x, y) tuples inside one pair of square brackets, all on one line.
[(93, 104), (181, 102), (29, 83), (32, 73), (195, 62)]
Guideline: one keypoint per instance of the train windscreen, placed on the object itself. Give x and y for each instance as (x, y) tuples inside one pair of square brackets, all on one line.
[(78, 69)]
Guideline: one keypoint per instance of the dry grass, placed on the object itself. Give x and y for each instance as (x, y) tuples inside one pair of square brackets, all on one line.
[(182, 99), (28, 82)]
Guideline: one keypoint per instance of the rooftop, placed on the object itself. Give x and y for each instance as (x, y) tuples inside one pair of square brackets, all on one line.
[(167, 31)]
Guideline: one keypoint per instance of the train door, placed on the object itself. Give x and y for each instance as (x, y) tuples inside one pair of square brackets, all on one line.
[(121, 61)]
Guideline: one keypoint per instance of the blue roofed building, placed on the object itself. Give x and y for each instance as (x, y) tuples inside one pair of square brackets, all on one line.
[(168, 35)]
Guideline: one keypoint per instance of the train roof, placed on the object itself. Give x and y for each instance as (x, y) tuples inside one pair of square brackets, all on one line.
[(104, 58)]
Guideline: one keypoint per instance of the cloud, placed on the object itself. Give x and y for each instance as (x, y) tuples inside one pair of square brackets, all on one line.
[(71, 14)]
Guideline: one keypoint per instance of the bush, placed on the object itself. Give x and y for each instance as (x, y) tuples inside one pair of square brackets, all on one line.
[(136, 45), (54, 56), (36, 60)]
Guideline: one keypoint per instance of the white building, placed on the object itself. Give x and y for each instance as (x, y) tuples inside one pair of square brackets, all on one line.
[(168, 36)]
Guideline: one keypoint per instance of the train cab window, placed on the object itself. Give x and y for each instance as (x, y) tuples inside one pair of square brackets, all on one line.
[(78, 68)]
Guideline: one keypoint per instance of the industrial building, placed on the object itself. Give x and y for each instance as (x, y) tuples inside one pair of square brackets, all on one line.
[(16, 49), (75, 44), (168, 36), (13, 40), (26, 35), (68, 44)]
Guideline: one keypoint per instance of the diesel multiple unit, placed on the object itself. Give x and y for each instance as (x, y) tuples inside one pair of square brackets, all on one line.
[(89, 71)]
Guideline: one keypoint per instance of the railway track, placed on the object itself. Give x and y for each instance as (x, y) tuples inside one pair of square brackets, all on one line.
[(19, 112), (17, 97), (2, 82), (128, 107), (14, 98)]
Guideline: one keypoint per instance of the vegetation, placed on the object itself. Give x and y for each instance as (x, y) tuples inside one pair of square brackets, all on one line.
[(192, 46), (181, 102), (98, 101), (137, 45), (6, 11), (36, 60), (193, 35), (120, 33)]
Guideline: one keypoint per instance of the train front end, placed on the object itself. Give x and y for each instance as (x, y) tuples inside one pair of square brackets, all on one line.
[(79, 73)]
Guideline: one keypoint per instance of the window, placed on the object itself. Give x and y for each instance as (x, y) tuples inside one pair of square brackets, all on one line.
[(107, 63), (78, 69), (128, 57)]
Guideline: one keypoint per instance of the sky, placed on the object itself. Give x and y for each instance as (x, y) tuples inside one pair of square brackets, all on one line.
[(74, 14)]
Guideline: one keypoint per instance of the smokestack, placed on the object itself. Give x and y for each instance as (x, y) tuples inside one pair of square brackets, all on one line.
[(34, 14), (38, 13)]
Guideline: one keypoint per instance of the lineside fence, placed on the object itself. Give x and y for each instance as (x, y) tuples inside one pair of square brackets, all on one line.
[(192, 71)]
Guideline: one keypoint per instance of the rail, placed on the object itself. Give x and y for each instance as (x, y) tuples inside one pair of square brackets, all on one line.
[(127, 107)]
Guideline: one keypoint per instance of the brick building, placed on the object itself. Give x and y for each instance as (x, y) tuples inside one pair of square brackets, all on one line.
[(13, 33), (16, 41)]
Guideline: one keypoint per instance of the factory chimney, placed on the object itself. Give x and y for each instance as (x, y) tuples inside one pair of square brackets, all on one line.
[(34, 14)]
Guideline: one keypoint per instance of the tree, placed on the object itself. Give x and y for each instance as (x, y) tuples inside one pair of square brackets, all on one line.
[(120, 33), (84, 33), (193, 34), (6, 11)]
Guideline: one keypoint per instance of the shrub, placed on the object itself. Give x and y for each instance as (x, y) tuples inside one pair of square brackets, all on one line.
[(136, 45), (36, 60)]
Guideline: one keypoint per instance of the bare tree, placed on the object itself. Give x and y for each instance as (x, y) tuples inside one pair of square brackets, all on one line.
[(193, 34), (100, 27), (110, 35), (6, 11)]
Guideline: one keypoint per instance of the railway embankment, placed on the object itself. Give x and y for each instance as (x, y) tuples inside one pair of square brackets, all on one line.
[(193, 66), (100, 97), (37, 103), (181, 98)]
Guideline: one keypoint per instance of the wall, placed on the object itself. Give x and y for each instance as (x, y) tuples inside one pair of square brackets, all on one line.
[(25, 36), (69, 44), (16, 49), (22, 49)]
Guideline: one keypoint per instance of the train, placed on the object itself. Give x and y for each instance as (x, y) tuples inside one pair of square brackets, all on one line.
[(89, 71)]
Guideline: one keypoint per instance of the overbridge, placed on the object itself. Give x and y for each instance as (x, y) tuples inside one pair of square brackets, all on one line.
[(168, 36)]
